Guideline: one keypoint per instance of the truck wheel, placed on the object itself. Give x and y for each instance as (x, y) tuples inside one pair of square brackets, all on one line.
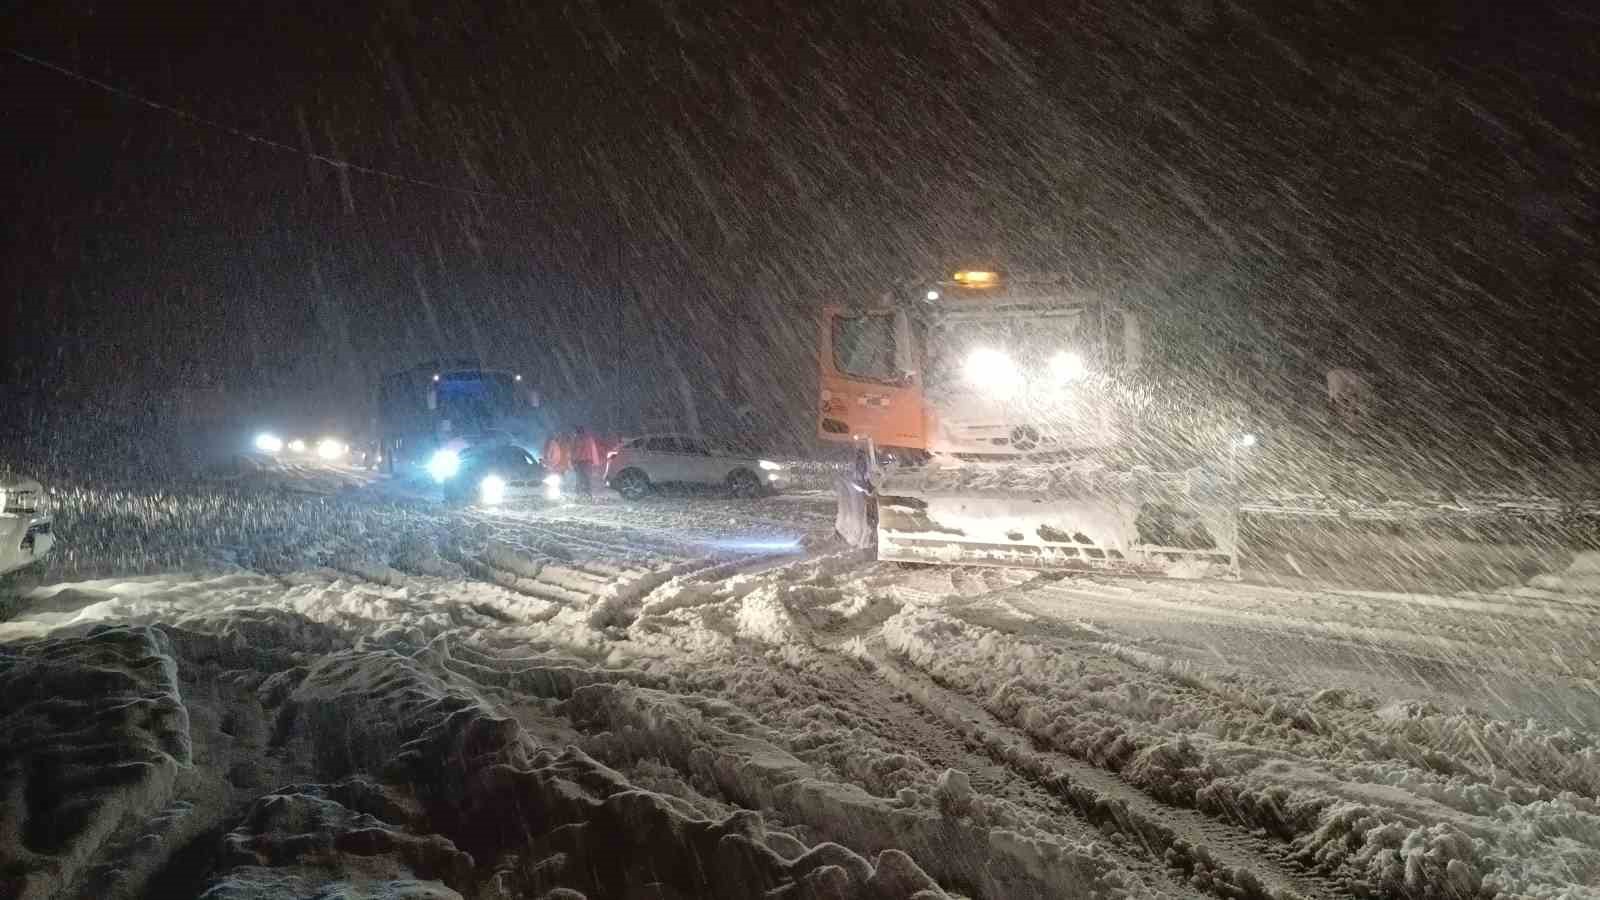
[(744, 483), (632, 484)]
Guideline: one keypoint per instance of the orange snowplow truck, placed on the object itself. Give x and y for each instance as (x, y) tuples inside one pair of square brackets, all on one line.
[(998, 404)]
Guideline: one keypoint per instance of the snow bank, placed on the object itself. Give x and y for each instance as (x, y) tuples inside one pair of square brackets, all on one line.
[(346, 840), (96, 733), (1581, 577), (419, 787)]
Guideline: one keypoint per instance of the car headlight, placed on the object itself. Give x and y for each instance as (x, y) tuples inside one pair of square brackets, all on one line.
[(552, 486), (297, 446), (492, 489), (268, 443), (770, 466), (444, 465), (328, 448), (1067, 366)]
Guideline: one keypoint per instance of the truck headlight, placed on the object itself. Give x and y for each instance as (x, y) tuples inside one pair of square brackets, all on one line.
[(444, 464), (330, 449), (770, 466), (1067, 366), (297, 446), (268, 443), (552, 487), (492, 490), (992, 370)]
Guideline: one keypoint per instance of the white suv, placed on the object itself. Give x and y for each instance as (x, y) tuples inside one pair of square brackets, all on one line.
[(640, 464), (25, 536)]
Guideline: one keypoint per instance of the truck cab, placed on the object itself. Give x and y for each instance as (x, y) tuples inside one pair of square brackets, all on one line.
[(977, 367)]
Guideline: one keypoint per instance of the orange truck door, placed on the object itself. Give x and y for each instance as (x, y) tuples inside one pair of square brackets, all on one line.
[(869, 386)]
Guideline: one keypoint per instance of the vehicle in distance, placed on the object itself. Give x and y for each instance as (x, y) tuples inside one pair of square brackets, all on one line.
[(25, 536), (642, 464), (327, 448), (492, 474), (436, 404)]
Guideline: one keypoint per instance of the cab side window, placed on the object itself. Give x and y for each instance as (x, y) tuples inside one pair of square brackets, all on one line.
[(863, 346)]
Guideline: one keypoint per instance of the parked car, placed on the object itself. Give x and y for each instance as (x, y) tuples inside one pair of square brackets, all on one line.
[(492, 474), (642, 464), (25, 536)]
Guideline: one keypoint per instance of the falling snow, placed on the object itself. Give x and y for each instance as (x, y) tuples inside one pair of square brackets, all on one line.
[(1361, 233)]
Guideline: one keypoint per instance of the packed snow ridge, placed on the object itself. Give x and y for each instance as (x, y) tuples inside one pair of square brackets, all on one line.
[(359, 695)]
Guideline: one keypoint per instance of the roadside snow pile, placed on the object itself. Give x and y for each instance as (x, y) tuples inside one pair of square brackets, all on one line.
[(95, 736), (411, 784), (347, 840), (1581, 577)]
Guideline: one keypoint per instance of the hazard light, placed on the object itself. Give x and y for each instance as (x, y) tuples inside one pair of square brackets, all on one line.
[(975, 279)]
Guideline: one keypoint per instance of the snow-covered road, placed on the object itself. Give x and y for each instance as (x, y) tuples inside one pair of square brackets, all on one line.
[(347, 692)]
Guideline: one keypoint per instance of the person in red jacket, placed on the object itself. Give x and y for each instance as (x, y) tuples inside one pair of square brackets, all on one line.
[(584, 456), (554, 457)]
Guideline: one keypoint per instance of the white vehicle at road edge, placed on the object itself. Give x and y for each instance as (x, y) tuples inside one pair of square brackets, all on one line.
[(25, 536), (642, 463)]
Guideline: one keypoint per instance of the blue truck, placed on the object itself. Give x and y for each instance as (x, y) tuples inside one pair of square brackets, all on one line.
[(454, 401)]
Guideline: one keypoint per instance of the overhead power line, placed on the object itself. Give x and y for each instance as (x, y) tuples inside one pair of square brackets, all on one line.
[(256, 138)]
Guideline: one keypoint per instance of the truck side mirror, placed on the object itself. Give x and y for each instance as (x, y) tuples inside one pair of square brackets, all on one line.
[(1133, 325)]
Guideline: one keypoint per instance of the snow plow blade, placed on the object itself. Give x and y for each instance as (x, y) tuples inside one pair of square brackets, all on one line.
[(1139, 523)]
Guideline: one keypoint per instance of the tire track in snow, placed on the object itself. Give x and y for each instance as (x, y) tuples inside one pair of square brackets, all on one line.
[(928, 734), (1180, 848), (1345, 791), (1473, 748), (1227, 860)]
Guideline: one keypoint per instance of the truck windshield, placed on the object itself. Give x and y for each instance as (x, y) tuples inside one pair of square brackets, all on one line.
[(476, 400)]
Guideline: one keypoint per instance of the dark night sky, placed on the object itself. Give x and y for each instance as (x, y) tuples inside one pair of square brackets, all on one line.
[(1409, 187)]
